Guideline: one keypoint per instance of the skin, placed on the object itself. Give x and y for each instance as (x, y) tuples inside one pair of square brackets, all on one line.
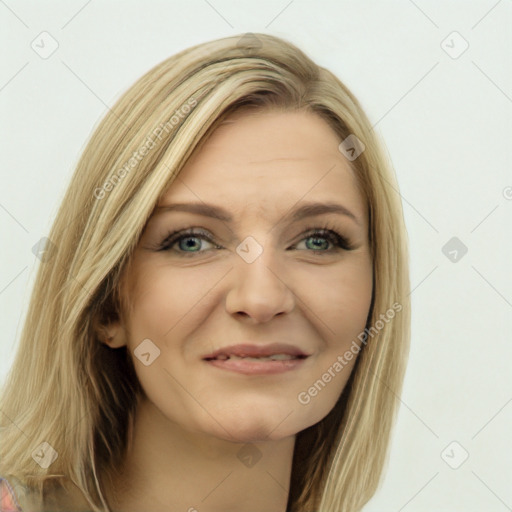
[(195, 297)]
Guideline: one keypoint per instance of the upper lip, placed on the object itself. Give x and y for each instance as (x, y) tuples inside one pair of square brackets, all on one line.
[(248, 350)]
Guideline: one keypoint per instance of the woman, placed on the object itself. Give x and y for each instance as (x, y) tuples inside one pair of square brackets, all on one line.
[(258, 365)]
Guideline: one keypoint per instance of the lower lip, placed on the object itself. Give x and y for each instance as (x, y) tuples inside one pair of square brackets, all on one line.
[(257, 367)]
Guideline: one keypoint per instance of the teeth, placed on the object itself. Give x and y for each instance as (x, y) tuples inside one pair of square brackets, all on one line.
[(282, 357), (273, 357)]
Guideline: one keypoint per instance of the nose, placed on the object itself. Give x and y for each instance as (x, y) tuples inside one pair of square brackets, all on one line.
[(260, 290)]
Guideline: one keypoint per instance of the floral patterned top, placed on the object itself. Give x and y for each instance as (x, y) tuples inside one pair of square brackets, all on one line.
[(8, 499), (15, 496)]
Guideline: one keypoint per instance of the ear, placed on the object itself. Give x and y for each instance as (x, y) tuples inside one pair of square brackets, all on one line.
[(107, 326), (112, 334)]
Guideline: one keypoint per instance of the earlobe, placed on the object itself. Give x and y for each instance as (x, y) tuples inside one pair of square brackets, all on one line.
[(107, 324), (111, 335)]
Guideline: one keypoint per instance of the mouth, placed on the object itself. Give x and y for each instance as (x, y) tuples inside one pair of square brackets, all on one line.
[(276, 351), (272, 357), (257, 359)]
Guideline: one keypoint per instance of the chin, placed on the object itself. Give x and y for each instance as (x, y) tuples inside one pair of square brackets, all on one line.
[(255, 426)]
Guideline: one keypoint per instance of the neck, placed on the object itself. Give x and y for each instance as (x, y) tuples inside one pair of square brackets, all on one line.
[(168, 468)]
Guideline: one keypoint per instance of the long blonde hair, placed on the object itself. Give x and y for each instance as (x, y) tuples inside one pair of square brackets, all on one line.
[(67, 389)]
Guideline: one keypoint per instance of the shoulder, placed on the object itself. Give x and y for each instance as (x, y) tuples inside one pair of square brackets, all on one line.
[(8, 500)]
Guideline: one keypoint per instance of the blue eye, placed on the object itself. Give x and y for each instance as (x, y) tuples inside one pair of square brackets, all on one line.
[(331, 236), (178, 237), (320, 239)]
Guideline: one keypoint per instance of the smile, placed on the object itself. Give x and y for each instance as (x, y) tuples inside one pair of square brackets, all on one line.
[(264, 365)]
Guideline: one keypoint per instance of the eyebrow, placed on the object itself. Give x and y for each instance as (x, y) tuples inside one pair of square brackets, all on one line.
[(306, 210)]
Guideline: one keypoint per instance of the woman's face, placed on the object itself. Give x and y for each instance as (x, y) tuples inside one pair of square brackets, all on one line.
[(256, 277)]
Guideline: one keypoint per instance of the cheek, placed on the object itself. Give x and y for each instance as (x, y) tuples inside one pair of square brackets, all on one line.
[(342, 301), (164, 296)]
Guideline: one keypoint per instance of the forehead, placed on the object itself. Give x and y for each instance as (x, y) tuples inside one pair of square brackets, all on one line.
[(262, 161)]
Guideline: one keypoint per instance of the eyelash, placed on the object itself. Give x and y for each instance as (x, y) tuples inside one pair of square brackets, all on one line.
[(326, 231)]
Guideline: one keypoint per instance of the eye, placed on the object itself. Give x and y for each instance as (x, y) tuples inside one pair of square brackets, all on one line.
[(192, 241), (319, 238)]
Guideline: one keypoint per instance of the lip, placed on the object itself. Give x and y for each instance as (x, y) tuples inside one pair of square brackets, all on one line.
[(257, 367), (251, 350)]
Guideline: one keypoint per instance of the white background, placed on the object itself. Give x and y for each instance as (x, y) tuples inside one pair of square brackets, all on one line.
[(447, 125)]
